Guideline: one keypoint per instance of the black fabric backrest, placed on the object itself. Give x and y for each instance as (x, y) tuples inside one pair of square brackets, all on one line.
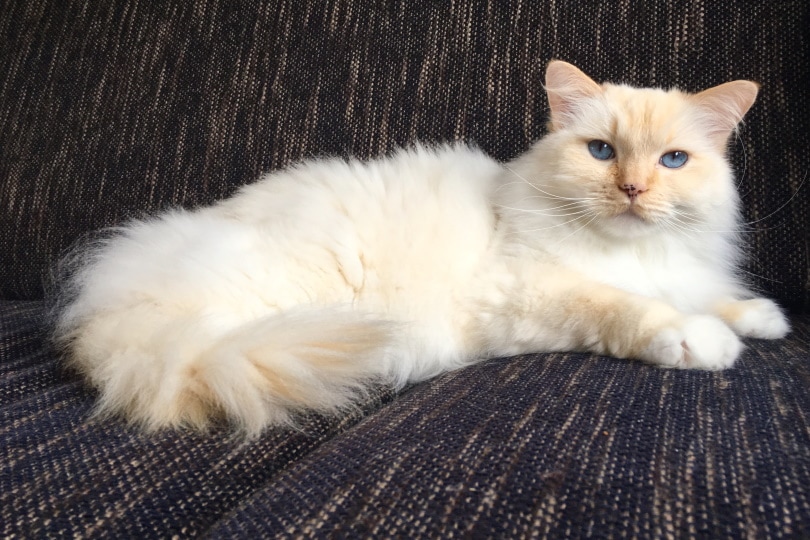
[(109, 110)]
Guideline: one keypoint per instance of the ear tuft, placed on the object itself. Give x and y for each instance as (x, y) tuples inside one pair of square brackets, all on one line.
[(567, 86)]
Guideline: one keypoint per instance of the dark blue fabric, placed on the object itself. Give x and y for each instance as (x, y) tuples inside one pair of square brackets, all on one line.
[(556, 445), (563, 446), (112, 109), (64, 473)]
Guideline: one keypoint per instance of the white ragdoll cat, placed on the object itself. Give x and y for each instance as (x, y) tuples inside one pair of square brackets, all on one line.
[(615, 234)]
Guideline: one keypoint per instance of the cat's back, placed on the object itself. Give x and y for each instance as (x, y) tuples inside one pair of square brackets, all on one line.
[(396, 230), (412, 221), (413, 180)]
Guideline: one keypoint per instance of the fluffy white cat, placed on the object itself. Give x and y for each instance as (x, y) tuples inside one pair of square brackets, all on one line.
[(616, 234)]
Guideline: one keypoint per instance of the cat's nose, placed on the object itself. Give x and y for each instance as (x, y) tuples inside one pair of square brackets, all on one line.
[(633, 190)]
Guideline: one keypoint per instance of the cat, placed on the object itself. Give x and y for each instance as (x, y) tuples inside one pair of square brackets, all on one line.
[(616, 234)]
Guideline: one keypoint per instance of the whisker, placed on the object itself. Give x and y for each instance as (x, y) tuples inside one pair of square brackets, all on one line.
[(744, 271), (577, 230), (801, 184), (694, 226), (547, 195), (745, 163), (539, 212), (567, 205), (690, 221), (523, 231), (534, 186), (674, 226), (682, 213)]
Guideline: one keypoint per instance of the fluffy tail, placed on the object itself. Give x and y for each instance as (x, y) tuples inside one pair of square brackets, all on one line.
[(257, 375)]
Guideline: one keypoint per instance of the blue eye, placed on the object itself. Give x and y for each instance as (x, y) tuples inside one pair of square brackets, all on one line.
[(674, 160), (600, 150)]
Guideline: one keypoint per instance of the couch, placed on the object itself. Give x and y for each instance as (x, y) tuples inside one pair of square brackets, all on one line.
[(112, 110)]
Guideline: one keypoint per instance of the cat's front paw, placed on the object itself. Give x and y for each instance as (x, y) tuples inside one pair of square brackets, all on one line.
[(699, 342), (757, 318)]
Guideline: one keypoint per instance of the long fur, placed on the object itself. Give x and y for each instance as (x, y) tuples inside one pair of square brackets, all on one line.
[(316, 281)]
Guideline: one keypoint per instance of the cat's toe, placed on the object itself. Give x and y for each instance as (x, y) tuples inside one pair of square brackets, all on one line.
[(700, 342), (760, 318)]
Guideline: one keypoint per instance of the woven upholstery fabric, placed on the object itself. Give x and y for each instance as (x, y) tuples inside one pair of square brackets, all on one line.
[(543, 445), (63, 473), (112, 109), (564, 446)]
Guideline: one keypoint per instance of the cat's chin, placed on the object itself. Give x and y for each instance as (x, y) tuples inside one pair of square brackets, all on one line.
[(626, 225)]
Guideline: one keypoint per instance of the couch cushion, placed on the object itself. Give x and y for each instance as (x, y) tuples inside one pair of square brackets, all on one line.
[(562, 445), (65, 474), (110, 109)]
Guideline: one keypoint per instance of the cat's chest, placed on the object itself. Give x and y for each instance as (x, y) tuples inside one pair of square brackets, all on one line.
[(670, 275), (628, 273)]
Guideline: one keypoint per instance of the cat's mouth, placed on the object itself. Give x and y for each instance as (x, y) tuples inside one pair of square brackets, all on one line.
[(632, 211), (627, 218), (631, 220), (631, 216)]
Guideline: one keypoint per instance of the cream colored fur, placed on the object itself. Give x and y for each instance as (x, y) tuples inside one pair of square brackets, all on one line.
[(311, 284)]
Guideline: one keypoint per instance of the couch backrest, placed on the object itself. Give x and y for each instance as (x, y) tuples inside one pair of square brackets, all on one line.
[(112, 109)]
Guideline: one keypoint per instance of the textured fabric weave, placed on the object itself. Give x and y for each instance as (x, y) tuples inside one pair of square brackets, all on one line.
[(564, 446), (63, 473), (555, 445), (111, 109)]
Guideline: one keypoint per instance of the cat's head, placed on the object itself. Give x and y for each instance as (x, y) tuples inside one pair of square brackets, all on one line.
[(642, 159)]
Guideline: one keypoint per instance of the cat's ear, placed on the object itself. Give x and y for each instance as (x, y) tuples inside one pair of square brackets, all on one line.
[(567, 87), (724, 107)]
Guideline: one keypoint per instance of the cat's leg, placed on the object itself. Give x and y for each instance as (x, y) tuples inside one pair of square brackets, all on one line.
[(695, 341), (758, 318), (565, 312)]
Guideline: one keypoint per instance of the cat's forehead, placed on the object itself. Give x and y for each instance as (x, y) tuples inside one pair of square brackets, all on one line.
[(646, 116)]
